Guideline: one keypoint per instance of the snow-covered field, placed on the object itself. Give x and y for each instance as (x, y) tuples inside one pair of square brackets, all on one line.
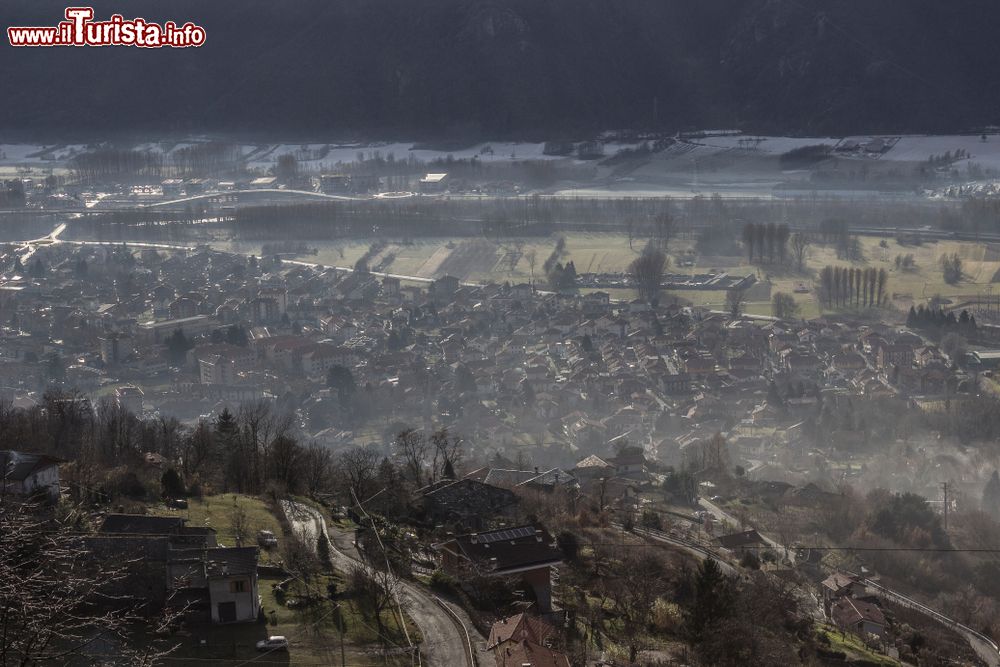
[(328, 155), (910, 148), (323, 156), (340, 154), (916, 149), (768, 145)]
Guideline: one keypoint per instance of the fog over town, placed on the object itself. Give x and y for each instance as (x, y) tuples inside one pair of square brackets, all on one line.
[(506, 333)]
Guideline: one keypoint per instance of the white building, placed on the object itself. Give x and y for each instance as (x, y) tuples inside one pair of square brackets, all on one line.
[(434, 183), (232, 584), (23, 474)]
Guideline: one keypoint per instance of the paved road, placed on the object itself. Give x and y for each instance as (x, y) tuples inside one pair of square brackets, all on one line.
[(31, 246), (263, 194), (725, 517), (984, 647), (445, 639), (691, 547)]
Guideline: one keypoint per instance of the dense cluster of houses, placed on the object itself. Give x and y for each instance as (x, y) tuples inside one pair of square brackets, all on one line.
[(571, 393), (551, 378)]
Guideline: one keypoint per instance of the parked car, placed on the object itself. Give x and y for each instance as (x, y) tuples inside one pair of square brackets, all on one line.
[(266, 539), (273, 643)]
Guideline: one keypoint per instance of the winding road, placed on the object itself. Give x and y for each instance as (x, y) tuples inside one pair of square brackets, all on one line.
[(984, 647), (449, 640)]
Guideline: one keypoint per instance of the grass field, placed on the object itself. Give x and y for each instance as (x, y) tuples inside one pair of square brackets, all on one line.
[(312, 631), (854, 648), (217, 512), (313, 634), (486, 261)]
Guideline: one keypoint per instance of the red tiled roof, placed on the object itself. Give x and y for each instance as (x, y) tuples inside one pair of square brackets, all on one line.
[(529, 653), (518, 628)]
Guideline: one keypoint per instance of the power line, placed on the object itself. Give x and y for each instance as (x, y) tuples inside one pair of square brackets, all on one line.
[(238, 661), (388, 568), (665, 541)]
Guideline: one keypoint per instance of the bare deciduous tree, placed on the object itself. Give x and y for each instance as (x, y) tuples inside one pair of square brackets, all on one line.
[(636, 583), (359, 466), (412, 446), (317, 466), (800, 249), (57, 602), (647, 273), (377, 588), (736, 299), (665, 228), (448, 453), (532, 257), (783, 306), (300, 556), (239, 522)]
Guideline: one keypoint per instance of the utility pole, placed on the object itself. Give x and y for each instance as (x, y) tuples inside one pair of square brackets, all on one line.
[(341, 629), (944, 486)]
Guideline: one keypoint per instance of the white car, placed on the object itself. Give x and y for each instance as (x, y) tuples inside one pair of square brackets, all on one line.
[(274, 643)]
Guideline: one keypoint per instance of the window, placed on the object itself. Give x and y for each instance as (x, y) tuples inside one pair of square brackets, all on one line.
[(239, 586)]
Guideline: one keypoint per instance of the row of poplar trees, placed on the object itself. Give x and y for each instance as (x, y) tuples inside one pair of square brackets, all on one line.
[(765, 242), (846, 286)]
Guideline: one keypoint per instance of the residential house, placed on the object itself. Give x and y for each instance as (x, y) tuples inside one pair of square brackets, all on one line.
[(593, 467), (528, 654), (630, 462), (838, 585), (859, 617), (518, 628), (466, 502), (231, 576), (898, 354), (23, 474), (174, 564), (748, 540), (526, 551), (521, 640)]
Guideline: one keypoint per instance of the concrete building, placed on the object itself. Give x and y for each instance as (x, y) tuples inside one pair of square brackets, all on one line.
[(157, 332), (437, 182)]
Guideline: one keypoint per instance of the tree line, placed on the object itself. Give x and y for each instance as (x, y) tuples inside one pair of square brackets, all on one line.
[(846, 286), (559, 276), (114, 164), (937, 320), (766, 242)]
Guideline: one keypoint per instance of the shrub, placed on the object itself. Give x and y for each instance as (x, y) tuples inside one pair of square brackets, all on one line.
[(569, 544), (750, 561), (171, 484), (442, 582), (651, 519)]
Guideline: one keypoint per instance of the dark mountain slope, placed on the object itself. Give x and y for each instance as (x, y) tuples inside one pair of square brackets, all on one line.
[(519, 68)]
